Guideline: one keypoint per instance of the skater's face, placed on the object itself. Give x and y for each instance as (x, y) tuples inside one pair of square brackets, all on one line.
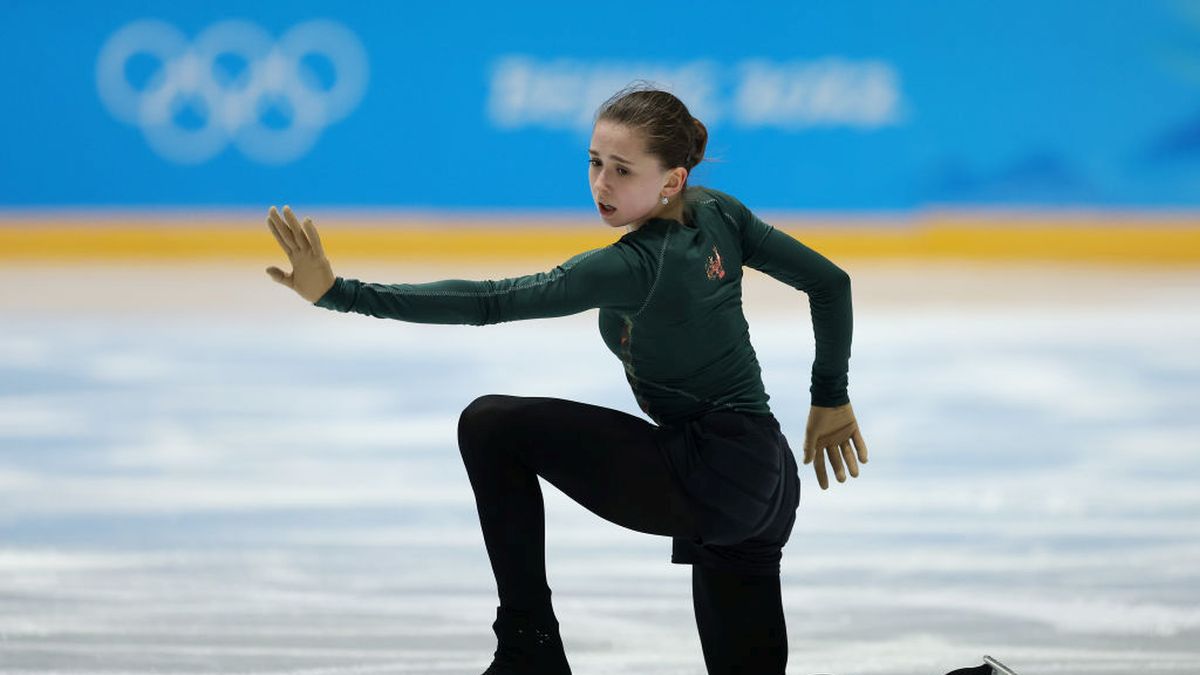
[(624, 176)]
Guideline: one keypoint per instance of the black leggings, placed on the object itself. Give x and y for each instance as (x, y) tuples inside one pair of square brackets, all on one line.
[(606, 460)]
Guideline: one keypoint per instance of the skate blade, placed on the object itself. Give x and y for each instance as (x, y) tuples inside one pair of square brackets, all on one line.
[(998, 667)]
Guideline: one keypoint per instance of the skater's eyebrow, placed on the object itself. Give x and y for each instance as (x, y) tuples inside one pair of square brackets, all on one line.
[(616, 157)]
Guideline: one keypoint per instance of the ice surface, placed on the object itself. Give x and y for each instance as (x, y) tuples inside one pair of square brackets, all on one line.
[(201, 473)]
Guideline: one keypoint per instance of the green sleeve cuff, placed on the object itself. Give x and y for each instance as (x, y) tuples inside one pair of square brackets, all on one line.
[(829, 391), (340, 296)]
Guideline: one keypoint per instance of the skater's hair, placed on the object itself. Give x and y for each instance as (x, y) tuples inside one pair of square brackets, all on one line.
[(670, 132)]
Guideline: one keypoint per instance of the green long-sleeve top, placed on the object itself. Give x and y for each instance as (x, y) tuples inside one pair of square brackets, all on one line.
[(670, 301)]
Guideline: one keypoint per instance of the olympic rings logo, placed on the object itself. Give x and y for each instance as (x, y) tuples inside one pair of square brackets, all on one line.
[(191, 82)]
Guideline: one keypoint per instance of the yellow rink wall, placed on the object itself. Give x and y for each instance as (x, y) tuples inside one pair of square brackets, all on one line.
[(1141, 239)]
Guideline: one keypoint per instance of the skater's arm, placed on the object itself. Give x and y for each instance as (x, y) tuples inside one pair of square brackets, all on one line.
[(600, 277), (832, 429), (828, 288)]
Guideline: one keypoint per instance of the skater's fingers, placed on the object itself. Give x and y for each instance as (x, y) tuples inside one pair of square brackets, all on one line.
[(280, 276), (282, 231), (302, 243), (810, 447), (278, 238), (835, 458), (315, 239), (861, 445), (819, 468), (848, 455)]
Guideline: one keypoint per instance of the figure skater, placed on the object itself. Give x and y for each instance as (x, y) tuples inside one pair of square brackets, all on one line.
[(714, 471)]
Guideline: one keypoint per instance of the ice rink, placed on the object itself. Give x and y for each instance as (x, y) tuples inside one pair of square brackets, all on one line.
[(200, 473)]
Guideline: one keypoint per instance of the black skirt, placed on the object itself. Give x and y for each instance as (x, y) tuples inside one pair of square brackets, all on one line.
[(742, 482)]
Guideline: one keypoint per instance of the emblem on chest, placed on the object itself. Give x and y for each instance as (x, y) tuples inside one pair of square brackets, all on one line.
[(713, 268)]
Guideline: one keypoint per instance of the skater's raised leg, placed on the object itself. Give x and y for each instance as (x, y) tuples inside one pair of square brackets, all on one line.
[(604, 459)]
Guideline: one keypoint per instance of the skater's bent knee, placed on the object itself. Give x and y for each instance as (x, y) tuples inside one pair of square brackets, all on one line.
[(479, 420)]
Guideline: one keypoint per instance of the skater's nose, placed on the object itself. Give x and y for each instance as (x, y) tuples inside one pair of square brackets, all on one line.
[(600, 184)]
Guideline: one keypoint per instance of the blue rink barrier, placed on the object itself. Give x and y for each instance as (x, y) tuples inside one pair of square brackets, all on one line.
[(867, 106)]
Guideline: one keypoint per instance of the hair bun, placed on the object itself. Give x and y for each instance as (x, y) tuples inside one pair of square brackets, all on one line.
[(699, 144)]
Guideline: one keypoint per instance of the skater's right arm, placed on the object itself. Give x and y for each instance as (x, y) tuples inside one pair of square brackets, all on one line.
[(601, 277)]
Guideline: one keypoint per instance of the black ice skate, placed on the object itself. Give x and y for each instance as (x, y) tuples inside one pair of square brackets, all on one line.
[(526, 647), (990, 667)]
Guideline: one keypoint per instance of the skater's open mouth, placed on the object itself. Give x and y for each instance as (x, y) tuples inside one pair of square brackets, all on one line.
[(605, 209)]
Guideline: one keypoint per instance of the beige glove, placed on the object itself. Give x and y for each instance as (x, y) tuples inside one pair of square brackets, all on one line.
[(831, 430), (311, 274)]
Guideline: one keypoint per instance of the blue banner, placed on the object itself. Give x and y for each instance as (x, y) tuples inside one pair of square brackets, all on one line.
[(849, 106)]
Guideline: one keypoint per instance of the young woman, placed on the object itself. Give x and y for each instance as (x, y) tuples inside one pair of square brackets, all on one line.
[(714, 472)]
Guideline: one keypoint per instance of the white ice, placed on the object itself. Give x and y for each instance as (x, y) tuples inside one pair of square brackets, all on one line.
[(199, 473)]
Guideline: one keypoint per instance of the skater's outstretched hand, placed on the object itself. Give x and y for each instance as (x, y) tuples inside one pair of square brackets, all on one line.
[(830, 431), (311, 274)]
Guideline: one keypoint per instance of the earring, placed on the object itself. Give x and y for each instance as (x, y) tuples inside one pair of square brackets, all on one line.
[(664, 200)]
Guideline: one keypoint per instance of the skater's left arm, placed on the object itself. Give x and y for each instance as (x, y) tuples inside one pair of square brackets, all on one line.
[(828, 288), (831, 423)]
